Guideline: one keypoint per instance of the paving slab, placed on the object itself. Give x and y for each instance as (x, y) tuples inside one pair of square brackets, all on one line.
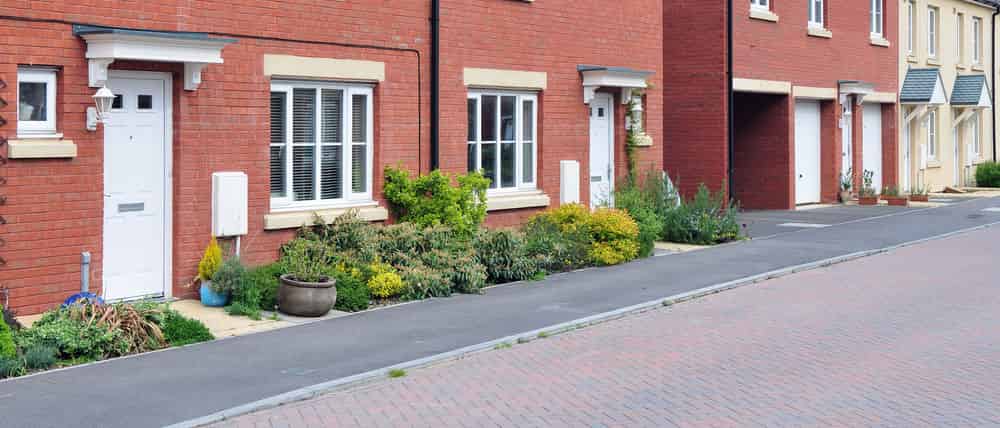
[(172, 386)]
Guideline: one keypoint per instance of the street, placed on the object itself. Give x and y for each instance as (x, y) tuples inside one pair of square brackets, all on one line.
[(906, 338)]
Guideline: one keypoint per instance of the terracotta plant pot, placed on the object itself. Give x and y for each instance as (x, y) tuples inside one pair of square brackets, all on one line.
[(306, 299), (897, 201), (868, 200), (919, 198), (845, 196)]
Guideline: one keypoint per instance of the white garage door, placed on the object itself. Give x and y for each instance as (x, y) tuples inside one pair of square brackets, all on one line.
[(872, 143), (807, 167)]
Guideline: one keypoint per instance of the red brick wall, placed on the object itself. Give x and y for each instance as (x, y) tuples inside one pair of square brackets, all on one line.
[(553, 36), (763, 164), (55, 207), (890, 145), (695, 117), (831, 148)]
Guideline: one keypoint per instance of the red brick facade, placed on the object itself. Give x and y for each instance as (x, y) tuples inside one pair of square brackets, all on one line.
[(779, 50), (54, 207)]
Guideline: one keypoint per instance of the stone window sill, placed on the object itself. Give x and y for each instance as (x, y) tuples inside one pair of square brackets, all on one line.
[(513, 201), (41, 148), (933, 61), (763, 15), (960, 66), (820, 32), (933, 163), (977, 67), (911, 58), (880, 41), (296, 219)]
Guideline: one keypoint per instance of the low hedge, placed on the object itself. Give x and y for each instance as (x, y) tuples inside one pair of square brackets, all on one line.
[(988, 174)]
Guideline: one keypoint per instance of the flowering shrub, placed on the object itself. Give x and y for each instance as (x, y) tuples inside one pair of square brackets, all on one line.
[(210, 261), (432, 200), (615, 237), (384, 282)]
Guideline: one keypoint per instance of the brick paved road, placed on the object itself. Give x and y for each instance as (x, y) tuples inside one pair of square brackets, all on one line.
[(910, 338)]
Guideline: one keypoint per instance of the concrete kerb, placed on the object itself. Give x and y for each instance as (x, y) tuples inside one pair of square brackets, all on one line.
[(525, 337)]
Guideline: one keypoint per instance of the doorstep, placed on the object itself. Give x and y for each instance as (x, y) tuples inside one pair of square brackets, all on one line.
[(673, 247), (222, 324)]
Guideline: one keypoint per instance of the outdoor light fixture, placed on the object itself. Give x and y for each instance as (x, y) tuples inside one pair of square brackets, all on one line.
[(103, 99)]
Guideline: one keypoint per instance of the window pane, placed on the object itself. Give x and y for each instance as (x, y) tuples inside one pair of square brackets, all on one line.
[(508, 122), (489, 163), (528, 157), (471, 155), (333, 101), (330, 175), (359, 167), (144, 102), (528, 117), (31, 98), (473, 131), (488, 118), (277, 143), (507, 161), (359, 118), (304, 116), (119, 102), (303, 170)]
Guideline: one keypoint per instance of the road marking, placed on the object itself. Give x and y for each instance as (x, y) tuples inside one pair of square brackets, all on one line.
[(804, 225), (992, 210)]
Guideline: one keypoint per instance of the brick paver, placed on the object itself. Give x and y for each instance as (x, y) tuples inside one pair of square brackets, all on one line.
[(908, 338)]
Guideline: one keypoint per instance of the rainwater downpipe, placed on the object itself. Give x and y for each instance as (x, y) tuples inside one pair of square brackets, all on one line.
[(84, 272), (731, 133), (435, 81)]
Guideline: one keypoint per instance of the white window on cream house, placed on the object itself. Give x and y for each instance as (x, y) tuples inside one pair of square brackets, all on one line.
[(932, 135), (502, 139), (321, 145), (977, 41), (932, 32), (36, 101)]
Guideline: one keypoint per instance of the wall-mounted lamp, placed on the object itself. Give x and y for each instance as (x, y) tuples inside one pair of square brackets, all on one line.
[(102, 100)]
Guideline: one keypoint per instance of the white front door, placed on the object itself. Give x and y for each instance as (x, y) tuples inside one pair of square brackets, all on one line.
[(601, 151), (846, 132), (906, 156), (956, 157), (871, 143), (807, 143), (136, 208)]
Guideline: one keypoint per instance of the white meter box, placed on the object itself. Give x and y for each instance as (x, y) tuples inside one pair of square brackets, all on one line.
[(229, 204)]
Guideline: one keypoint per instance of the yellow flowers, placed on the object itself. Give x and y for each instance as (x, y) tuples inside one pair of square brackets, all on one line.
[(384, 282), (613, 235), (210, 262)]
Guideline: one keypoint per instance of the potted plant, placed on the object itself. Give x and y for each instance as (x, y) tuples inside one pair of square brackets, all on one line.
[(210, 263), (919, 194), (891, 195), (307, 290), (867, 194), (846, 185)]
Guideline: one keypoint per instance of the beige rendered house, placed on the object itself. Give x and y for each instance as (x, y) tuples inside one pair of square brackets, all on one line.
[(946, 49)]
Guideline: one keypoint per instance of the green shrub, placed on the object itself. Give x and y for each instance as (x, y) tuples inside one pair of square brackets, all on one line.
[(384, 282), (40, 357), (647, 200), (229, 277), (11, 367), (988, 174), (705, 220), (262, 281), (307, 259), (423, 282), (467, 276), (555, 249), (503, 254), (7, 348), (352, 294), (347, 234), (614, 236), (180, 330), (71, 337), (10, 319), (432, 199)]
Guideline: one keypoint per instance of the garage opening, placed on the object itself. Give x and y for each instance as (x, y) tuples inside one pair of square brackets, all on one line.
[(762, 162)]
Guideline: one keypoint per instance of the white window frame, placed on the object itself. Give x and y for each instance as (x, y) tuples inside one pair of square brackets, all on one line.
[(977, 40), (764, 5), (519, 184), (817, 13), (878, 19), (911, 40), (976, 139), (932, 135), (38, 127), (932, 30), (348, 196), (960, 37)]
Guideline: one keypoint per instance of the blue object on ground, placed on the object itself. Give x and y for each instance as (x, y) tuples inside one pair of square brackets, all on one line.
[(212, 299), (81, 297)]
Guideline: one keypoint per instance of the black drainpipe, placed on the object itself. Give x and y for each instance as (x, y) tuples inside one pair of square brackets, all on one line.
[(729, 105), (435, 81), (993, 76)]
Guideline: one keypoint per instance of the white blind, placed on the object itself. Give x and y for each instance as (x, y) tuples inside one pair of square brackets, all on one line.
[(278, 146), (359, 138), (332, 152), (304, 140)]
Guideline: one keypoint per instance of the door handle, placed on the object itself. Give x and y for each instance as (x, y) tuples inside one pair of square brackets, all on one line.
[(107, 195)]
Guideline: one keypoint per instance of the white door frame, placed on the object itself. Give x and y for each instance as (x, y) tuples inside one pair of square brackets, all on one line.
[(906, 155), (168, 169), (611, 148)]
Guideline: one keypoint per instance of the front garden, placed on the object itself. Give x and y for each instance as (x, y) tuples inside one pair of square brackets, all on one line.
[(437, 248)]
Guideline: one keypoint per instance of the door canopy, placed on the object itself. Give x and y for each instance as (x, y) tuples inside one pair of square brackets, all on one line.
[(597, 76), (105, 45)]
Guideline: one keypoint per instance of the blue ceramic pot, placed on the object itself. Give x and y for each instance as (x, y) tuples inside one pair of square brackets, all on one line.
[(212, 299)]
